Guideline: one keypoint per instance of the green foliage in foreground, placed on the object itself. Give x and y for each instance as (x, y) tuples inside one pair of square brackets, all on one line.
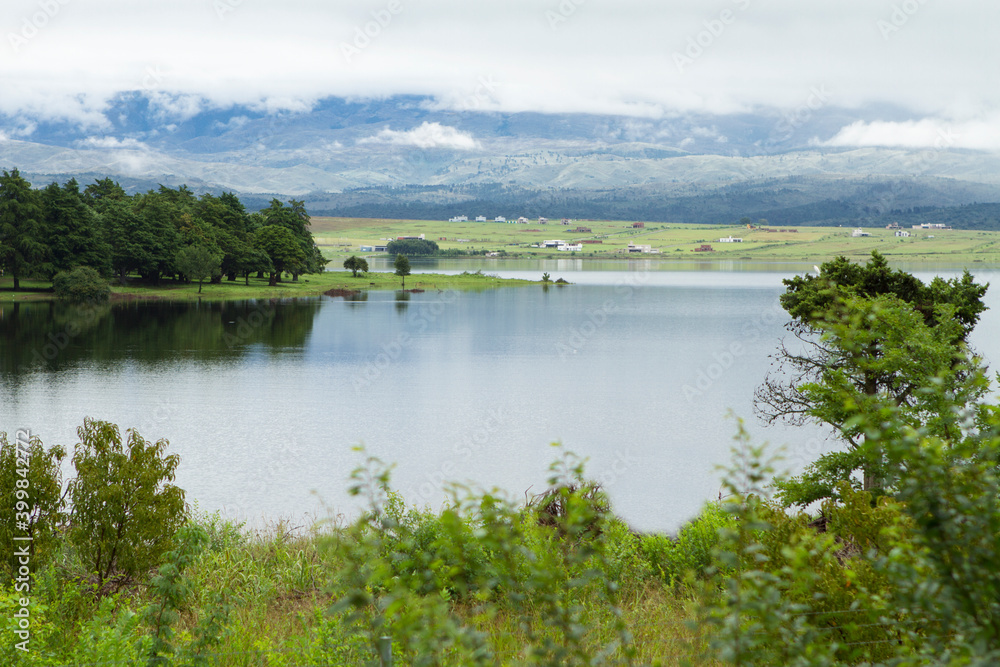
[(908, 578)]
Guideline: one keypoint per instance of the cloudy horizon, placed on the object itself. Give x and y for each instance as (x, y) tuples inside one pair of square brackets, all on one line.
[(67, 59)]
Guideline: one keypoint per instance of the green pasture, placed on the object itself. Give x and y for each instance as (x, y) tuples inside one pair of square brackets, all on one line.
[(341, 237)]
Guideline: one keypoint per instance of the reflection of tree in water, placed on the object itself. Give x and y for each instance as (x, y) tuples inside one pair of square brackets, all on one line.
[(402, 301), (357, 296), (56, 335)]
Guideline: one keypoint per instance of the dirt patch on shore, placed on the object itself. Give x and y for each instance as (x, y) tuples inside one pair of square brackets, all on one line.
[(342, 292)]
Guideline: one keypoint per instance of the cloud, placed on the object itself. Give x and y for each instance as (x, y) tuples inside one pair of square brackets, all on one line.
[(233, 123), (427, 135), (977, 134), (599, 56), (112, 143)]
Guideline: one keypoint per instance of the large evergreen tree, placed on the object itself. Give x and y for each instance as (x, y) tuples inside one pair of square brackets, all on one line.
[(72, 231), (295, 219), (21, 245), (867, 335)]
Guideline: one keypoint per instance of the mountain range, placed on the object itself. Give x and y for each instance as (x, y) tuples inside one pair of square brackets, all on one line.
[(406, 156)]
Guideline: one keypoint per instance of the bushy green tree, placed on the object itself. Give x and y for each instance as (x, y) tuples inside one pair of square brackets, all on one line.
[(296, 220), (356, 264), (412, 247), (82, 284), (124, 509), (867, 334), (282, 249), (402, 266), (197, 263)]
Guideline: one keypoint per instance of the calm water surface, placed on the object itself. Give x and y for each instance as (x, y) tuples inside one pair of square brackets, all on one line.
[(636, 370)]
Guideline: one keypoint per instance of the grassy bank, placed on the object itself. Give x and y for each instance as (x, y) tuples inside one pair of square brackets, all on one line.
[(340, 237), (307, 286)]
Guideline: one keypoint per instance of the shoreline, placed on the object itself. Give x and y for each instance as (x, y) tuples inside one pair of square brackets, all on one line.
[(308, 286)]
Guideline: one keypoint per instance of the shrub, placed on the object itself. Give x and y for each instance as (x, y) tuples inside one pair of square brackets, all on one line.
[(31, 492), (691, 551), (124, 513), (82, 284)]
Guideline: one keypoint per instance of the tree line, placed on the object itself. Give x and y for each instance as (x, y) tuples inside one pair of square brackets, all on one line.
[(162, 233)]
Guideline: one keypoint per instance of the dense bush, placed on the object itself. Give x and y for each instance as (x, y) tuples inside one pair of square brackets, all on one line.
[(410, 247), (691, 552), (82, 284)]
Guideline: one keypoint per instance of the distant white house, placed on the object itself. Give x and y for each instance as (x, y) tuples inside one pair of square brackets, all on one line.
[(499, 218), (555, 243), (859, 232), (902, 232), (730, 239), (480, 218), (632, 247), (543, 221), (522, 220), (459, 218), (571, 247), (931, 225)]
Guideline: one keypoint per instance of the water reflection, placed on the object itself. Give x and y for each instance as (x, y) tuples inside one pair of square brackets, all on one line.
[(56, 336)]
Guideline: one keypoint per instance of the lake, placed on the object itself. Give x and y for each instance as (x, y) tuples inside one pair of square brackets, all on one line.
[(635, 369)]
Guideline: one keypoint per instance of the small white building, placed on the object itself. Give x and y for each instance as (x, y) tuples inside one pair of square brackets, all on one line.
[(632, 247), (902, 232), (730, 239), (859, 232), (522, 220), (499, 218), (459, 218), (480, 218), (571, 247), (555, 243), (543, 221)]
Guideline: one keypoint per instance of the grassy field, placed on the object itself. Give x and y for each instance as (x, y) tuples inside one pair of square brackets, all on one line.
[(307, 286), (340, 237)]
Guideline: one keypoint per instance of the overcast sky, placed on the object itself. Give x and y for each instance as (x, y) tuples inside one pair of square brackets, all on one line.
[(936, 58)]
